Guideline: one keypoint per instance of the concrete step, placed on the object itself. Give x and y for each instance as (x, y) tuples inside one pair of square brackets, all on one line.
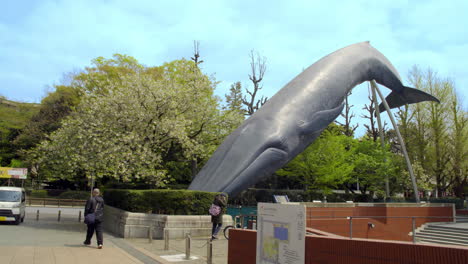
[(442, 239), (425, 240), (442, 232), (447, 229), (440, 235)]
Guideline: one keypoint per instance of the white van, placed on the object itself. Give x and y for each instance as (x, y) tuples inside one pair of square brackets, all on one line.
[(12, 204)]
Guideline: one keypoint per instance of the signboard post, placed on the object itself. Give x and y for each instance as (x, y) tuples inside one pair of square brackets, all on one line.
[(281, 233)]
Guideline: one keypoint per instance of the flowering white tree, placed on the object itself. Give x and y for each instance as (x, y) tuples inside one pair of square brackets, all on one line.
[(141, 120)]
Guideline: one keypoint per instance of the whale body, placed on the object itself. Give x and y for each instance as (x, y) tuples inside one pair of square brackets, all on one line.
[(296, 115)]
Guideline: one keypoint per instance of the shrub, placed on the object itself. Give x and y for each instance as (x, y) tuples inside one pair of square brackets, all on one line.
[(79, 195), (172, 202), (39, 194), (252, 196)]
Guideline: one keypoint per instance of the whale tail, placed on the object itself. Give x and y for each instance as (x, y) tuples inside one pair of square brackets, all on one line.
[(406, 96)]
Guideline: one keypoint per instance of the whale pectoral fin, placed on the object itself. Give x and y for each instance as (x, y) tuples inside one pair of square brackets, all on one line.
[(321, 120), (407, 96), (264, 165)]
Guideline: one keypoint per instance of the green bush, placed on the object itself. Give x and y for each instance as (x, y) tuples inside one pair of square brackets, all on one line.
[(39, 194), (78, 195), (251, 197), (172, 202), (58, 194), (457, 201)]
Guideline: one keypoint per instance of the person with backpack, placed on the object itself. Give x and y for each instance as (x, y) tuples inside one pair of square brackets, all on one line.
[(217, 211), (94, 212)]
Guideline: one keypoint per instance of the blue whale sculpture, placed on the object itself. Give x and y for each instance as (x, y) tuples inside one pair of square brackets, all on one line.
[(295, 116)]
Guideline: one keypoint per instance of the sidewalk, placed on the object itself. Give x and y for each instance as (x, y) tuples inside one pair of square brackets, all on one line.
[(49, 241), (66, 254), (198, 250)]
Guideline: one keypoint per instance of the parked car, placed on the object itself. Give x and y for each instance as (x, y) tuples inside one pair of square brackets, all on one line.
[(12, 204)]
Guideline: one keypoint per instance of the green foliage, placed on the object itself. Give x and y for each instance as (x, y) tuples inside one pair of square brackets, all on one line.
[(14, 163), (54, 107), (436, 134), (58, 194), (135, 122), (14, 116), (457, 201), (178, 202), (251, 197), (39, 194), (324, 165), (78, 195)]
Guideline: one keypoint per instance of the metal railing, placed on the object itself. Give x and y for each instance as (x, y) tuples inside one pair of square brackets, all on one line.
[(31, 201)]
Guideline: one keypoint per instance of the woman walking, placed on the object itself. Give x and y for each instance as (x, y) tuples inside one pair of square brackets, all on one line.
[(217, 211)]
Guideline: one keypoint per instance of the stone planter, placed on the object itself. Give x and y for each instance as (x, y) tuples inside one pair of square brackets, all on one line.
[(136, 225)]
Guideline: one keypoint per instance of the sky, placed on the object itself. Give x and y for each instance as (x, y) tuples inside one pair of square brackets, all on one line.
[(40, 41)]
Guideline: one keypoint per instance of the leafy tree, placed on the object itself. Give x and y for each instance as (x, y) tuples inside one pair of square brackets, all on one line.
[(459, 147), (324, 165), (426, 128), (54, 107), (14, 116), (147, 121)]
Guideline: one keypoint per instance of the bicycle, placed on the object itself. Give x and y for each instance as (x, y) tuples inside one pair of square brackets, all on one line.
[(236, 225), (239, 223)]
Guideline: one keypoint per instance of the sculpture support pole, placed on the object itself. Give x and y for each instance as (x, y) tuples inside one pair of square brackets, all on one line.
[(381, 134), (403, 147)]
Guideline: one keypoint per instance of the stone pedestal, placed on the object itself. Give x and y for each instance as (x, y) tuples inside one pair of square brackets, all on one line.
[(136, 225)]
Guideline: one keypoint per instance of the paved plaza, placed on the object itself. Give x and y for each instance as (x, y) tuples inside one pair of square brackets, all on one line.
[(49, 241)]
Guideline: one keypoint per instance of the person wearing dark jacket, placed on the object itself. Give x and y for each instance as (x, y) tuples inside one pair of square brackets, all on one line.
[(95, 204), (217, 220)]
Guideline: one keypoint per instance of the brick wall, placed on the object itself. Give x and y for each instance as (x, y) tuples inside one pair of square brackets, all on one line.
[(319, 250), (332, 220)]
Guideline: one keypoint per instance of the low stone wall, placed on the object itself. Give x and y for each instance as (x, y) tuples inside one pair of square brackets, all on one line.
[(136, 225)]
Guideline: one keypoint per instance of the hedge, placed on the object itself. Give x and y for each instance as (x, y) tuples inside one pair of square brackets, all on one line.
[(459, 203), (172, 202), (251, 197), (58, 194)]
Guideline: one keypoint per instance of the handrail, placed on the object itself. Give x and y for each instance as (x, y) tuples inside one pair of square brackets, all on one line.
[(413, 220)]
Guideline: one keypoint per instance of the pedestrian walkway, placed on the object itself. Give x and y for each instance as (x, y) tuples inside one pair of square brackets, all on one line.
[(70, 254), (49, 241), (198, 250)]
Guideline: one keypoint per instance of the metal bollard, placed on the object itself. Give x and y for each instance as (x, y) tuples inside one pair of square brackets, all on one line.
[(209, 252), (413, 228), (187, 246), (59, 213), (79, 217), (37, 215), (166, 239), (150, 234), (350, 227)]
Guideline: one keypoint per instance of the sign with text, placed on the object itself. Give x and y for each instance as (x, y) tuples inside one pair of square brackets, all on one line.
[(13, 173), (281, 233)]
